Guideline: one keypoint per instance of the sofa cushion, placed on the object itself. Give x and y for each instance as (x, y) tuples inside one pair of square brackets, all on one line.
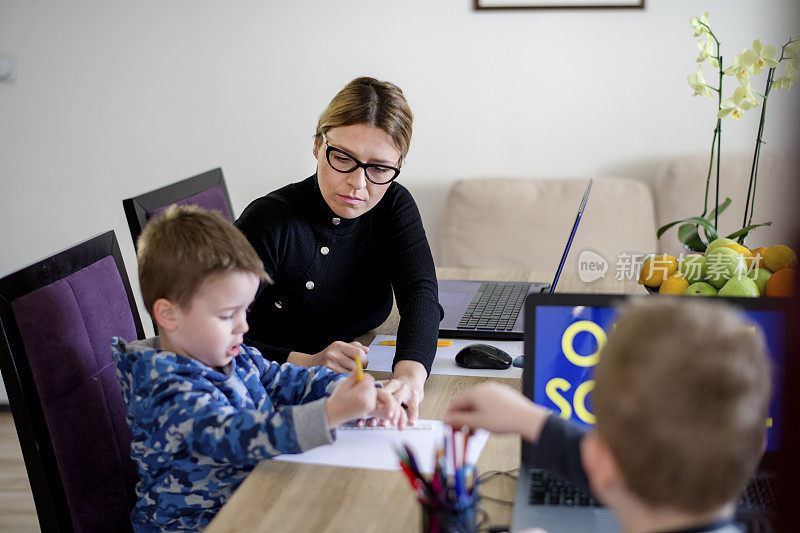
[(680, 188), (525, 223)]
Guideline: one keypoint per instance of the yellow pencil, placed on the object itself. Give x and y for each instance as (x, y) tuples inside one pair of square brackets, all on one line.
[(359, 368), (439, 344)]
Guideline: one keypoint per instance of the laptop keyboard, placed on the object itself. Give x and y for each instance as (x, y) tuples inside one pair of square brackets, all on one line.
[(547, 489), (761, 493), (495, 306)]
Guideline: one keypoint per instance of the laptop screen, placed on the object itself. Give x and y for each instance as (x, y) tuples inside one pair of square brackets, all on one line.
[(568, 333)]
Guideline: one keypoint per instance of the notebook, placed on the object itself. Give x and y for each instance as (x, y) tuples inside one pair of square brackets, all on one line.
[(555, 321), (493, 309)]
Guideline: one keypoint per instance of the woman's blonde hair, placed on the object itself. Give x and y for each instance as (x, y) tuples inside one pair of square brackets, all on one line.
[(369, 101)]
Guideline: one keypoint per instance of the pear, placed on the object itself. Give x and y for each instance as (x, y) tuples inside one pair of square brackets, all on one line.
[(722, 264), (760, 276), (701, 288), (740, 286), (693, 268), (716, 243)]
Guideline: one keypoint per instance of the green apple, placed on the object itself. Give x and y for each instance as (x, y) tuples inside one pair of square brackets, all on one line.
[(740, 286), (723, 264), (693, 268), (722, 241), (760, 276), (701, 288)]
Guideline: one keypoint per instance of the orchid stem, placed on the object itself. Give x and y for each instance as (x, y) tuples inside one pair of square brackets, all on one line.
[(719, 136), (710, 167), (750, 202)]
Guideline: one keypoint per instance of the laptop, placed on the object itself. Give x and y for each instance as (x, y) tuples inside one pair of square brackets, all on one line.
[(576, 321), (493, 309)]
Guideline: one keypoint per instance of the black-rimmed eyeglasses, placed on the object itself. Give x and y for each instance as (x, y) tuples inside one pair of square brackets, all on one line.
[(341, 161)]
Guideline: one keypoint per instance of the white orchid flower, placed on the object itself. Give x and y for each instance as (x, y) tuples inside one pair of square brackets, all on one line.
[(784, 82), (698, 83), (707, 51), (735, 106), (763, 56), (788, 79), (699, 24), (792, 52), (742, 66)]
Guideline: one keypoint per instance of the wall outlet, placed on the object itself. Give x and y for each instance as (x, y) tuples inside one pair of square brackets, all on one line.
[(8, 69)]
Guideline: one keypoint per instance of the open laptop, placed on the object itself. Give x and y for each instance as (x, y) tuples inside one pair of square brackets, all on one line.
[(576, 321), (493, 309)]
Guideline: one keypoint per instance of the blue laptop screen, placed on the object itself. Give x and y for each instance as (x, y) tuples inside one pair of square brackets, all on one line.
[(566, 343)]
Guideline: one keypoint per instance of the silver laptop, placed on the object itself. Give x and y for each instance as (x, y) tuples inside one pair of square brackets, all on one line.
[(493, 309), (548, 317)]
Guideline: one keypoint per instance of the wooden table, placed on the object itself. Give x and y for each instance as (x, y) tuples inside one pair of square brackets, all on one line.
[(280, 496)]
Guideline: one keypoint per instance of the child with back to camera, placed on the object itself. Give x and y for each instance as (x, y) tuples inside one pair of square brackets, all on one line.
[(682, 390), (204, 408)]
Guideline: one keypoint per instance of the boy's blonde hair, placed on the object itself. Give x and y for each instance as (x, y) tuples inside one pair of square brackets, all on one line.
[(180, 248), (681, 397)]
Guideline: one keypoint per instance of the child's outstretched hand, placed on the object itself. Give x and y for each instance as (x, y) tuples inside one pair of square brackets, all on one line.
[(390, 410), (351, 399), (499, 409)]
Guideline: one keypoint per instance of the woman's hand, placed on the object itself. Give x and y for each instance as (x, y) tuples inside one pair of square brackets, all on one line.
[(340, 356), (498, 408), (408, 386)]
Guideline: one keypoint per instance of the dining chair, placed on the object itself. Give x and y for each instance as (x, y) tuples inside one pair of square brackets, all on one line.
[(57, 318), (206, 190)]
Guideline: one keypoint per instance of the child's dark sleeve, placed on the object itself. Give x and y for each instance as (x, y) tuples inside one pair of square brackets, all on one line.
[(558, 451)]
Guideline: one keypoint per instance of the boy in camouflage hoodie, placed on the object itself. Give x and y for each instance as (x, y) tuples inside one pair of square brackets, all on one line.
[(203, 407)]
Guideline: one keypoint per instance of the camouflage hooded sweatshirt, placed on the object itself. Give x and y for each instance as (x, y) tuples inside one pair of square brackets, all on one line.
[(198, 432)]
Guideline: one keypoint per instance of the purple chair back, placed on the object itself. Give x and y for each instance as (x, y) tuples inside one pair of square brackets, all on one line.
[(213, 199), (207, 190), (62, 385)]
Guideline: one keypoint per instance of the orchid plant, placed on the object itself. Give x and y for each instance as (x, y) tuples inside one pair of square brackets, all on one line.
[(749, 63)]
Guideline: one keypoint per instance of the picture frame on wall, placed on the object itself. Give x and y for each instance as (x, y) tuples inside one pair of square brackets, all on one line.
[(559, 4)]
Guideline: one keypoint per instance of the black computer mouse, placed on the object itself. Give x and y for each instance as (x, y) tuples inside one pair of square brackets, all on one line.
[(482, 356)]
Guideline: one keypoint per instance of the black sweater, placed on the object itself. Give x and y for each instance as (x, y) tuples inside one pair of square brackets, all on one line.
[(334, 276)]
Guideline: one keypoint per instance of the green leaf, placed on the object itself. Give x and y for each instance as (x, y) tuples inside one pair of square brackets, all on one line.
[(748, 229), (697, 220), (720, 208), (665, 227), (688, 235), (710, 233)]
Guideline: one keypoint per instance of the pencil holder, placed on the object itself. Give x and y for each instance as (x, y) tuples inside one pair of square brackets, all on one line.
[(458, 519)]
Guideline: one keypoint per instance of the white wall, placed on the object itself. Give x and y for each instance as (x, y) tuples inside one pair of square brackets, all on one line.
[(113, 98)]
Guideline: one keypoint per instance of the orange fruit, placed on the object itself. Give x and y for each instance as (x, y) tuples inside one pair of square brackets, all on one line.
[(778, 257), (741, 249), (675, 284), (657, 270), (781, 283), (756, 260)]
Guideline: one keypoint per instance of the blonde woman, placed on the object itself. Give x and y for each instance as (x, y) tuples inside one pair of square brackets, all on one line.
[(339, 244)]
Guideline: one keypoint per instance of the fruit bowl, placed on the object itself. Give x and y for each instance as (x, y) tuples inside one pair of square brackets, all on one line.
[(725, 269)]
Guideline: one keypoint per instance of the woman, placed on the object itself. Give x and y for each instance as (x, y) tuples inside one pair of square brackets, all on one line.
[(338, 243)]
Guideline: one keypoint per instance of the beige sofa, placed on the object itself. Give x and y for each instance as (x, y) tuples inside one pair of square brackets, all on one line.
[(524, 223)]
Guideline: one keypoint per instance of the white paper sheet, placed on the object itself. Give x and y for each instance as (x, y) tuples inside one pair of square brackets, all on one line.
[(381, 357), (374, 448)]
